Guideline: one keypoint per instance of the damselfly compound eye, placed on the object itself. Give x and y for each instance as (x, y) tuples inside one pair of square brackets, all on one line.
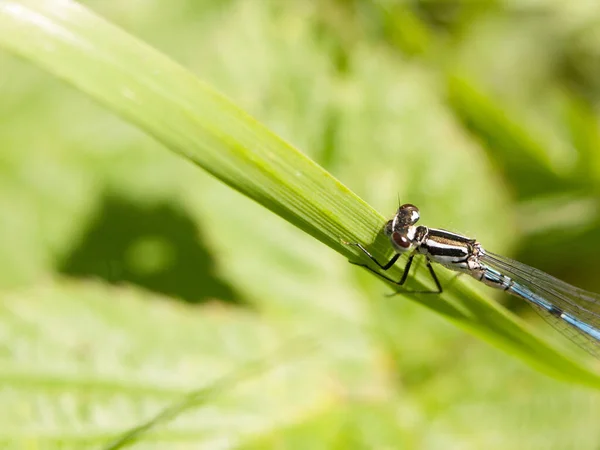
[(407, 215), (400, 240)]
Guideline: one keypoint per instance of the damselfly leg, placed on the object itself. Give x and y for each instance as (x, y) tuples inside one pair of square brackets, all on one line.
[(405, 273)]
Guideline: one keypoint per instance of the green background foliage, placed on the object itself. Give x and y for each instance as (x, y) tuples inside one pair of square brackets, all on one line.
[(131, 278)]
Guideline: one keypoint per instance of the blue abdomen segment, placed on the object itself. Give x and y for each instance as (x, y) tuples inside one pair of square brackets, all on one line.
[(555, 311)]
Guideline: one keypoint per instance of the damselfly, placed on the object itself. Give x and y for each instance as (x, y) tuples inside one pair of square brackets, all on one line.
[(573, 311)]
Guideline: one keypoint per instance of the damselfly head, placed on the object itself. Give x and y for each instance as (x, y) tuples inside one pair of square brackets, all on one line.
[(400, 229)]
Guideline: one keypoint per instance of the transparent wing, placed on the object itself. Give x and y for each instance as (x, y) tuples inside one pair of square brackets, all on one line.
[(572, 311)]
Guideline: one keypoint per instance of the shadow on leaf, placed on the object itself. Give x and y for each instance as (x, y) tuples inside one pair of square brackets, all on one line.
[(157, 247)]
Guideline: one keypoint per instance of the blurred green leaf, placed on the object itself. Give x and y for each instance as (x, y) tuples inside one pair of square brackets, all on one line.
[(81, 363), (521, 156)]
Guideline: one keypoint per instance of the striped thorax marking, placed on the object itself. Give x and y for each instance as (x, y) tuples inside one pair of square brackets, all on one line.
[(448, 249)]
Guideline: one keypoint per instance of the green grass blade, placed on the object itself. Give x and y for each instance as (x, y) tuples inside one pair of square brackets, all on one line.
[(171, 104)]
